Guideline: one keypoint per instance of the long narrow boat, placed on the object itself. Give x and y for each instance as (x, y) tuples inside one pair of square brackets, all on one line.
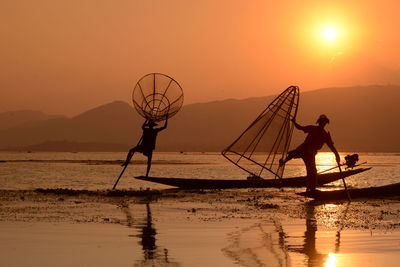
[(370, 192), (191, 183)]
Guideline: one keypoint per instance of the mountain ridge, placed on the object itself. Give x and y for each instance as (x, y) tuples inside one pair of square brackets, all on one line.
[(13, 118), (362, 119)]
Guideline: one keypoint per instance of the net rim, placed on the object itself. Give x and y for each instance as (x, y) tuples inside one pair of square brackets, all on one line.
[(179, 99)]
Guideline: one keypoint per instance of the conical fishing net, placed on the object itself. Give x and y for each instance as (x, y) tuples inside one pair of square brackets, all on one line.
[(260, 147), (157, 96)]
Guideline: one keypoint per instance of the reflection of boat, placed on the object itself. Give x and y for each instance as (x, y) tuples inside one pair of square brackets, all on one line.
[(191, 183), (380, 191)]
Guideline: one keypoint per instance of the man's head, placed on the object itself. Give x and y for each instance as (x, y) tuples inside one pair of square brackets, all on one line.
[(151, 123), (322, 120)]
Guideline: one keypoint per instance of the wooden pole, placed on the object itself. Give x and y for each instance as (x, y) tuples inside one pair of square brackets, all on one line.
[(123, 170), (330, 169), (344, 183), (128, 160)]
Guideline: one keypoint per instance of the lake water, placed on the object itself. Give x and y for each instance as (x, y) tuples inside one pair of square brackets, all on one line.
[(100, 170), (266, 227)]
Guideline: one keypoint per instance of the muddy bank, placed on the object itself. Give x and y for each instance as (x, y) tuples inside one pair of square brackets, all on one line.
[(104, 206)]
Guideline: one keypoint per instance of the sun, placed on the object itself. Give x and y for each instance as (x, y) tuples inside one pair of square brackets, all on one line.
[(329, 34)]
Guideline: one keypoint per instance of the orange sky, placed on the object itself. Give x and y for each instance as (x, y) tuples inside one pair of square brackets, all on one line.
[(64, 57)]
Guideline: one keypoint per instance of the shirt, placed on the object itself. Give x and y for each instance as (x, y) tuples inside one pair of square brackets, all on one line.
[(316, 138)]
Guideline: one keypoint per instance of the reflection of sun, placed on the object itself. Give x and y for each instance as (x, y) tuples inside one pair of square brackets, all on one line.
[(329, 33), (325, 160), (330, 261)]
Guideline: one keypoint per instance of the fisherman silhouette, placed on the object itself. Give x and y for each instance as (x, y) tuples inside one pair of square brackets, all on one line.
[(316, 138), (147, 143)]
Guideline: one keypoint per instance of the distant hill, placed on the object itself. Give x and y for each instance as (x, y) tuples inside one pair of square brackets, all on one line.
[(362, 119), (13, 118), (67, 146), (116, 122)]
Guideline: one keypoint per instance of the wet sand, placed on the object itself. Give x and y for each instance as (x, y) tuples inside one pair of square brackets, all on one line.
[(265, 227)]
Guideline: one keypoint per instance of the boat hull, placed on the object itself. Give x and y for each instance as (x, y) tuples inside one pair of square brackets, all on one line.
[(190, 183), (370, 192)]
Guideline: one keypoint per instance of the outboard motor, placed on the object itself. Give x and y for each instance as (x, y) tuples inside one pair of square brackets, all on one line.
[(351, 161)]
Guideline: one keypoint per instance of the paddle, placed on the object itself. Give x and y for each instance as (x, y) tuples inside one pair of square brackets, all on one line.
[(331, 168), (122, 172), (343, 164), (128, 160), (344, 183)]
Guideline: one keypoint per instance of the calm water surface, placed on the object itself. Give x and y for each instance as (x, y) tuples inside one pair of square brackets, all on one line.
[(154, 240), (100, 170)]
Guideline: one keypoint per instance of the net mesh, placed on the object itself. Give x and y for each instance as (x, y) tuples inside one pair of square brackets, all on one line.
[(260, 147), (157, 96)]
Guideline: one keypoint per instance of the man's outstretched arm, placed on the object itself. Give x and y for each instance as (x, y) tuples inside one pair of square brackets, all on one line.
[(144, 124), (336, 154), (333, 149), (298, 126), (165, 125)]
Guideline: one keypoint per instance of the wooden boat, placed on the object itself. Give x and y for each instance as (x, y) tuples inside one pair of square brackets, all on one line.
[(191, 183), (370, 192)]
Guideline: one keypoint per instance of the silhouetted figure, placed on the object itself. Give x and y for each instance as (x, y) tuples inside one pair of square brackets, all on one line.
[(316, 138), (147, 143)]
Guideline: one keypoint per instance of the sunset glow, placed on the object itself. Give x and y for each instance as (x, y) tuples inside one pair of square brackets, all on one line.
[(92, 52), (200, 133), (329, 34)]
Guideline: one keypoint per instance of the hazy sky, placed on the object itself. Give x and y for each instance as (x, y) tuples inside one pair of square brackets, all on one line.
[(66, 56)]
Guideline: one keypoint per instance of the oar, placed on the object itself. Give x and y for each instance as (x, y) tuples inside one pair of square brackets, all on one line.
[(126, 165), (344, 183), (342, 164), (331, 168), (122, 172)]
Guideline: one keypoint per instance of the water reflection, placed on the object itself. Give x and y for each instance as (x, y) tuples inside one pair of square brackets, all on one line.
[(273, 245), (153, 255), (331, 260), (148, 236), (309, 248)]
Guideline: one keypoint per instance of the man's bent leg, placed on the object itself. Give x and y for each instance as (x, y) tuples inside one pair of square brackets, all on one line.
[(291, 155), (130, 155)]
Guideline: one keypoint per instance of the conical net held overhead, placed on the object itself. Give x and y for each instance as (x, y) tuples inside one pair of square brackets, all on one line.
[(157, 96), (260, 147)]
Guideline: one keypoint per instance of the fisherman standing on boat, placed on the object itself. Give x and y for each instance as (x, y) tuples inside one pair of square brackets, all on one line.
[(147, 143), (316, 138)]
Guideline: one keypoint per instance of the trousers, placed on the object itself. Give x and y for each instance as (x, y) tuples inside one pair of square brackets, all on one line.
[(309, 160)]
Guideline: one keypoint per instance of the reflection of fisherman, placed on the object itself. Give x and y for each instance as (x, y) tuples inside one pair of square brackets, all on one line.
[(310, 249), (147, 143), (316, 138), (148, 236)]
